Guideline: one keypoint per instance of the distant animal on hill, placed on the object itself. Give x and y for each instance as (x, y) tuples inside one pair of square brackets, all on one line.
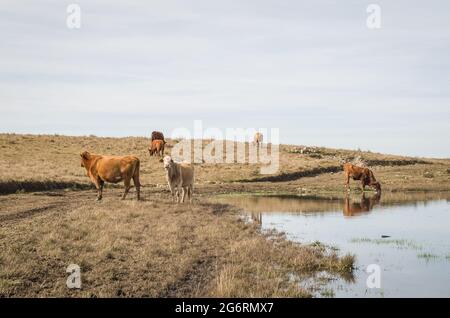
[(257, 218), (157, 135), (180, 176), (157, 148), (258, 139), (113, 169), (365, 175), (365, 205)]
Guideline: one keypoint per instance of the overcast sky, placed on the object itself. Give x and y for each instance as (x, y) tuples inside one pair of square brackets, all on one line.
[(310, 68)]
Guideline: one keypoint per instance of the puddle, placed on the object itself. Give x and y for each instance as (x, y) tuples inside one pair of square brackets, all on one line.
[(406, 235)]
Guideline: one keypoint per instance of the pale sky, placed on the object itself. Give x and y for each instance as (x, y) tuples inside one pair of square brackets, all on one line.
[(310, 68)]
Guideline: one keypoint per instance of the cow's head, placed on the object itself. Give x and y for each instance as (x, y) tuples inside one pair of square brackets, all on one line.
[(377, 186), (85, 156), (168, 162)]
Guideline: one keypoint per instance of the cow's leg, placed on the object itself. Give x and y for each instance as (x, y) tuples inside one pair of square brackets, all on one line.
[(99, 186), (127, 187), (363, 184), (183, 194), (137, 185), (174, 194), (172, 189), (190, 193), (178, 193), (347, 182)]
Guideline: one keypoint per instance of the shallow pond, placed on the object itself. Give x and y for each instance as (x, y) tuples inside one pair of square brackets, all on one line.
[(406, 235)]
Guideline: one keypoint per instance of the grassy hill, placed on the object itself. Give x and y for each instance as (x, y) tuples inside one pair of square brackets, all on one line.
[(40, 162)]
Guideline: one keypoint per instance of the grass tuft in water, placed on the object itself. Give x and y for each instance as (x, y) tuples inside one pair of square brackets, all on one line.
[(399, 243), (347, 263), (328, 292), (427, 256)]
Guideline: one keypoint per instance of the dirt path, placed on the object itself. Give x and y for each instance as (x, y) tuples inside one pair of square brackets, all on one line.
[(14, 208)]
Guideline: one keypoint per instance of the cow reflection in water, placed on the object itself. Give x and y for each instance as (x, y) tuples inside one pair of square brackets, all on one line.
[(364, 206), (350, 207)]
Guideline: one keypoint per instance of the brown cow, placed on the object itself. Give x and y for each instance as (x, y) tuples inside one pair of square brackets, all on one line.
[(157, 147), (113, 169), (359, 173), (157, 135)]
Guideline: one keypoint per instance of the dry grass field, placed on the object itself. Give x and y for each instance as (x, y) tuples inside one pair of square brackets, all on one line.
[(38, 162), (147, 249), (153, 248)]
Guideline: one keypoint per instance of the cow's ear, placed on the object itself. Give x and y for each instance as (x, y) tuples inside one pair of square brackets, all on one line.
[(84, 155)]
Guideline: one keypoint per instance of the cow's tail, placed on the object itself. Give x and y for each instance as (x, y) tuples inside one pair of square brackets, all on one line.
[(136, 177), (193, 178)]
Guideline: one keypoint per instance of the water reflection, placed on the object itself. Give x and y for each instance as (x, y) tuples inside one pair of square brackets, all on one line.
[(413, 255), (350, 206), (364, 205)]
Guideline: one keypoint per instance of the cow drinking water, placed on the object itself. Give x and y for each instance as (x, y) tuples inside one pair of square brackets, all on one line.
[(365, 175)]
